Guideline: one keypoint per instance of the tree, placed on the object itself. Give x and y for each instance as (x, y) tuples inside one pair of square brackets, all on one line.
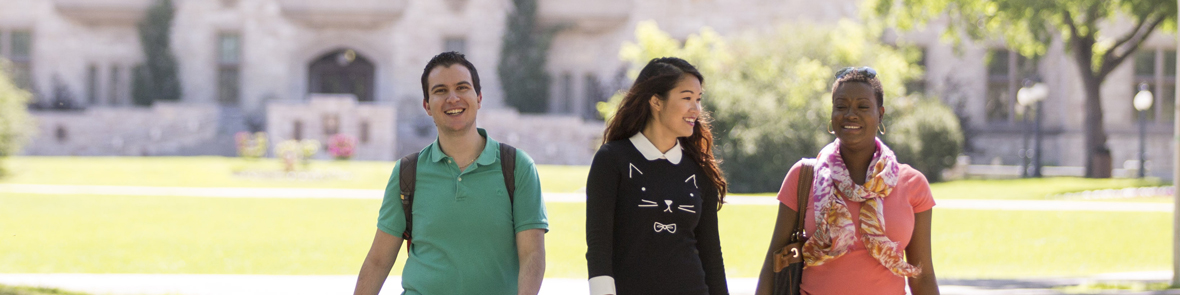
[(157, 78), (15, 123), (523, 55), (770, 95), (1029, 26)]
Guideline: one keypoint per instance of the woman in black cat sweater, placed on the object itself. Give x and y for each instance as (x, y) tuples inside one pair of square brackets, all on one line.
[(654, 190)]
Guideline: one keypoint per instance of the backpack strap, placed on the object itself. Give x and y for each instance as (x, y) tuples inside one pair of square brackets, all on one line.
[(408, 176), (508, 166)]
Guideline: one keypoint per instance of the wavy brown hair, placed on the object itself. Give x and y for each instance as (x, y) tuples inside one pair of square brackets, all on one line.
[(658, 78)]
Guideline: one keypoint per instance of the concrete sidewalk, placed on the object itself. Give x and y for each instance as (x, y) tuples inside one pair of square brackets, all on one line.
[(181, 284), (237, 192)]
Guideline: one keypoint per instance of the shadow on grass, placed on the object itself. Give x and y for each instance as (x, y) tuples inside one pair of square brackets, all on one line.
[(20, 290), (1068, 285)]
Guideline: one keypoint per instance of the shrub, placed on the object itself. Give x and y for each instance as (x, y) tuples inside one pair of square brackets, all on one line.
[(251, 146), (523, 56), (16, 126), (341, 146), (927, 136), (157, 78)]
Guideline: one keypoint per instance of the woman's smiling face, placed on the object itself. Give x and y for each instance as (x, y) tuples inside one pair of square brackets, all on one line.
[(680, 111), (855, 114)]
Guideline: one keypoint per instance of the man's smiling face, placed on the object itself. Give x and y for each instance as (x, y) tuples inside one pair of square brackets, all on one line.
[(452, 101)]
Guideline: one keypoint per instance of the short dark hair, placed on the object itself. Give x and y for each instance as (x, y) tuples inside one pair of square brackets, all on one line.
[(447, 59)]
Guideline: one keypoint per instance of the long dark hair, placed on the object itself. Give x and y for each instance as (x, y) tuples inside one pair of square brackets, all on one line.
[(658, 78)]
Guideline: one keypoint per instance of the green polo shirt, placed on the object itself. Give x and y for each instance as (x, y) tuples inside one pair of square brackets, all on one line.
[(464, 224)]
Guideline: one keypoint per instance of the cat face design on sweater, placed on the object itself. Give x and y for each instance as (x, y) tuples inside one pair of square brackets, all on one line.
[(669, 206)]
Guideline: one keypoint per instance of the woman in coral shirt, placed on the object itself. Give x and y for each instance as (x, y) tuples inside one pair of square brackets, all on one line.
[(865, 209)]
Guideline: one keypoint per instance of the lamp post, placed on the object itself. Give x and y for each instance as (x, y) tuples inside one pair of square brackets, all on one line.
[(1142, 102), (1032, 94)]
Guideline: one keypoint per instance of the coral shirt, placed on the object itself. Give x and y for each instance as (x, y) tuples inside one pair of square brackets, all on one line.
[(857, 272)]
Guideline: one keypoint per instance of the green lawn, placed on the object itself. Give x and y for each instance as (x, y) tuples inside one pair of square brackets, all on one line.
[(232, 172), (220, 172), (133, 234)]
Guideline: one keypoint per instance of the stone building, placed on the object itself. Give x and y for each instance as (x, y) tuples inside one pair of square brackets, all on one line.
[(238, 56)]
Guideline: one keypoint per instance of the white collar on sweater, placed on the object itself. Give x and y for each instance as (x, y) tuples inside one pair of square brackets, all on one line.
[(652, 153)]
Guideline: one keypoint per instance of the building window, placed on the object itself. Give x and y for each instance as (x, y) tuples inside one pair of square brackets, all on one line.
[(456, 44), (594, 94), (113, 89), (60, 134), (1157, 69), (229, 49), (1006, 71), (92, 84), (297, 133), (331, 123), (364, 137), (19, 52), (566, 101)]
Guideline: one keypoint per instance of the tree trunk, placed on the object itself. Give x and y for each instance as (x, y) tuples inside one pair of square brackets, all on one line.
[(1097, 155)]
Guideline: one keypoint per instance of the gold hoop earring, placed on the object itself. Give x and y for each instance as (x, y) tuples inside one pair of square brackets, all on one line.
[(881, 128), (830, 128)]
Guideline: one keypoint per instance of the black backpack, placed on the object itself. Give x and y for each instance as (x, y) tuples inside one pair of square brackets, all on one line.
[(408, 173)]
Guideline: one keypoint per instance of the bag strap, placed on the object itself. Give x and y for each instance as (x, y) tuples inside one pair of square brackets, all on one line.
[(508, 166), (806, 177), (408, 176)]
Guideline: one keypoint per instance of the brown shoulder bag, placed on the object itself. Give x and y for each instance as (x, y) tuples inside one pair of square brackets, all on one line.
[(788, 261)]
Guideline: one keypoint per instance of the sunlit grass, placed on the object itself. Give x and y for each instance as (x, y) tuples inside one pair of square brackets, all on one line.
[(117, 234)]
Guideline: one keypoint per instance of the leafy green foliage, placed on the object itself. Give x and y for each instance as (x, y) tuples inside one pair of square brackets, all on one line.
[(157, 78), (1026, 26), (522, 60), (15, 123), (770, 94), (928, 137)]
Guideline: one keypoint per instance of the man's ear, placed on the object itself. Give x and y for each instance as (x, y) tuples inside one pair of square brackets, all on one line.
[(656, 103), (426, 106), (478, 101)]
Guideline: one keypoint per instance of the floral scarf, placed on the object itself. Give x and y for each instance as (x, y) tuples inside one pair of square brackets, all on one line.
[(834, 230)]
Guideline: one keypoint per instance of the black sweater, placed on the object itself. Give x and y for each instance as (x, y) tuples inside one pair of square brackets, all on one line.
[(652, 225)]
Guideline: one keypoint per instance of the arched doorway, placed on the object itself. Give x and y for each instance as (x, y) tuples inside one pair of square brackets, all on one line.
[(342, 71)]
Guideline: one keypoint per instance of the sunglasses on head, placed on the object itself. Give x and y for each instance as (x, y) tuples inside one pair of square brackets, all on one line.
[(866, 71)]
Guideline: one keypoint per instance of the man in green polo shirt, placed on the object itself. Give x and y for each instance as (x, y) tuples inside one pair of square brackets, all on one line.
[(468, 237)]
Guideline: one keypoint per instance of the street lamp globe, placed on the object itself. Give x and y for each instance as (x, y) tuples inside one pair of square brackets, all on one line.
[(1143, 99), (1029, 95)]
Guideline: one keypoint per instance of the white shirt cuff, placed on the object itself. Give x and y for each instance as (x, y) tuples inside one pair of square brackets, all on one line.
[(602, 285)]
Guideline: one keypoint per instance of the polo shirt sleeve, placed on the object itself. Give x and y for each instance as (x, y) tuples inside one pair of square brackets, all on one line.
[(392, 218), (528, 208)]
